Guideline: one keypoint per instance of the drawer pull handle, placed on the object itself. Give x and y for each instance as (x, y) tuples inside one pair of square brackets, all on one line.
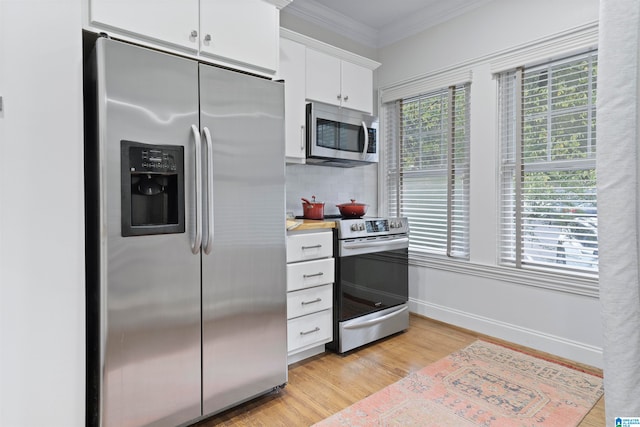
[(311, 247), (306, 276), (311, 302), (316, 329)]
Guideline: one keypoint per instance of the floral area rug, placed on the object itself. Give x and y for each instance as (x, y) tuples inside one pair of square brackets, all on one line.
[(481, 385)]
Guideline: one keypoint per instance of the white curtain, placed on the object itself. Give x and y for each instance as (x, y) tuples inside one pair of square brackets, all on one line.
[(618, 170)]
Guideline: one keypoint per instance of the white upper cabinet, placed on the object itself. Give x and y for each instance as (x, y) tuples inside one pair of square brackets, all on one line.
[(315, 71), (339, 82), (357, 87), (174, 22), (238, 33), (292, 71), (245, 31), (323, 78)]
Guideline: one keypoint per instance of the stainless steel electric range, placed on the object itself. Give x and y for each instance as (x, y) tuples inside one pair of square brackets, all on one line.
[(372, 291)]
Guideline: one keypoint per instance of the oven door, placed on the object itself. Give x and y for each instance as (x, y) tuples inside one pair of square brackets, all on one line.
[(370, 281)]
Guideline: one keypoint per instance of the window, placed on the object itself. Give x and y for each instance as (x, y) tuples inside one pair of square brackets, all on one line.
[(428, 169), (548, 183)]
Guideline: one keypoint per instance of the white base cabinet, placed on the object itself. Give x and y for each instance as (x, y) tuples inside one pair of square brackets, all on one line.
[(309, 331), (310, 277)]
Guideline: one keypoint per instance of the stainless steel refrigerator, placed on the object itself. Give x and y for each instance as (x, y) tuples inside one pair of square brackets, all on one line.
[(185, 200)]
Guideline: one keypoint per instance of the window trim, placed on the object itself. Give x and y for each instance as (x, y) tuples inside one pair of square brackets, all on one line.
[(574, 40), (396, 176), (535, 277), (519, 167)]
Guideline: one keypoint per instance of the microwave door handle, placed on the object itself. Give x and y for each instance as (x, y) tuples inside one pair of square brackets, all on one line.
[(208, 243), (195, 246), (366, 139)]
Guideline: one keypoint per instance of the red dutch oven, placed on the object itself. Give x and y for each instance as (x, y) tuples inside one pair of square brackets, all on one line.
[(353, 209), (313, 209)]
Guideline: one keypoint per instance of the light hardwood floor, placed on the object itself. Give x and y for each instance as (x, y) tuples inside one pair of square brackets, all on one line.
[(322, 385)]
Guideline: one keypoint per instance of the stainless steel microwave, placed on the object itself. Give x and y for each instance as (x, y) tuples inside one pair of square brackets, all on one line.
[(340, 136)]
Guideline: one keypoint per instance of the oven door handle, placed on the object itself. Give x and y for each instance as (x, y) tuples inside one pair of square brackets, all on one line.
[(374, 243), (375, 321)]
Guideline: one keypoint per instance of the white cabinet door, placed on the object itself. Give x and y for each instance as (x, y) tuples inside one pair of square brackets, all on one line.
[(357, 87), (308, 301), (301, 275), (323, 77), (292, 71), (308, 246), (244, 31), (338, 82), (173, 22), (309, 331)]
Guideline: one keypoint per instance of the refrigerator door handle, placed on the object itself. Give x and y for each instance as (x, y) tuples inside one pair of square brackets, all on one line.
[(195, 246), (207, 244)]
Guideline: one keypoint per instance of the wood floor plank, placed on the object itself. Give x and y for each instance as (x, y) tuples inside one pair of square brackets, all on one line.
[(325, 384)]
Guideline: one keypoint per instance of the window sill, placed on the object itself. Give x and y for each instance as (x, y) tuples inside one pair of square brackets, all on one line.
[(585, 286)]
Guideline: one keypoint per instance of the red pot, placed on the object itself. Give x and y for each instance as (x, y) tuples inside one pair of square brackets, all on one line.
[(353, 209), (312, 210)]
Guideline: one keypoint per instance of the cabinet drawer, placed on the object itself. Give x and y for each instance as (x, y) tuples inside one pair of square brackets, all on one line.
[(303, 247), (310, 273), (308, 331), (309, 301)]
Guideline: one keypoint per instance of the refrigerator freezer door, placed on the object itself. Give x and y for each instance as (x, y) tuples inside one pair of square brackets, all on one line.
[(149, 284), (243, 282)]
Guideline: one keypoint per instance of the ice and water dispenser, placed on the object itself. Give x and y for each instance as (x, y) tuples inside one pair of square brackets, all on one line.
[(152, 189)]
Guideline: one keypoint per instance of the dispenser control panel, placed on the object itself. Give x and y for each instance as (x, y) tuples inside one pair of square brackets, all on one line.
[(152, 160)]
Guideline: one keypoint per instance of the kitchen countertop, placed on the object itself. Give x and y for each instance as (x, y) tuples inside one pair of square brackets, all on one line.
[(309, 224)]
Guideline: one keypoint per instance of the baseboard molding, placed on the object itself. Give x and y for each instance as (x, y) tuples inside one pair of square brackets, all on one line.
[(297, 357), (568, 349)]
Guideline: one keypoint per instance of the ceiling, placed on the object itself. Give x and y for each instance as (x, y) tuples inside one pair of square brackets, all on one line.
[(378, 23)]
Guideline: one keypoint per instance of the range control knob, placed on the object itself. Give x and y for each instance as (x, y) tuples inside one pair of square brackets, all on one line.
[(354, 227), (361, 226)]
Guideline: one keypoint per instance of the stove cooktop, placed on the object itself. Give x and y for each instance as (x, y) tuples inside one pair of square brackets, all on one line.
[(337, 216), (340, 217)]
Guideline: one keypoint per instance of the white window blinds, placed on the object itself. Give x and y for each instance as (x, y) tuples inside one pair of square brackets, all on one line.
[(427, 159), (548, 185)]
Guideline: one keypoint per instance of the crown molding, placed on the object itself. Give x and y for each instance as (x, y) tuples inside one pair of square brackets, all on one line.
[(416, 22), (280, 3), (329, 49), (325, 17)]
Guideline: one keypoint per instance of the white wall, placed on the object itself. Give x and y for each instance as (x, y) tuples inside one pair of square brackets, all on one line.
[(562, 323), (494, 27), (41, 215)]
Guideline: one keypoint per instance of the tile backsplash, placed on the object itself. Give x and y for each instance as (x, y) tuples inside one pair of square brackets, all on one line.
[(332, 186)]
